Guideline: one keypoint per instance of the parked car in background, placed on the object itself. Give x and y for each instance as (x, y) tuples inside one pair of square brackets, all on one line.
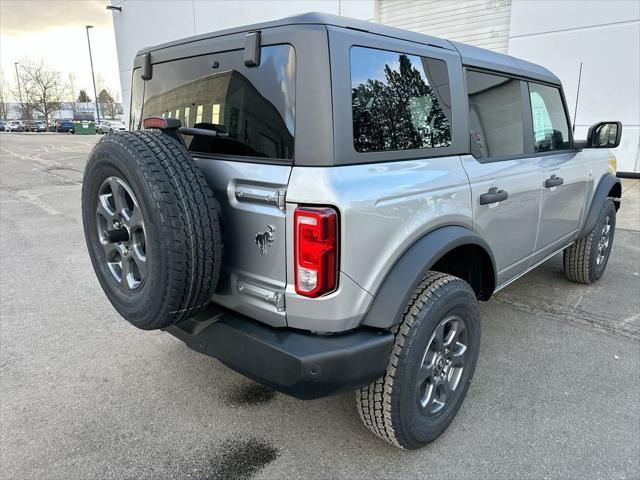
[(3, 126), (38, 126), (63, 126), (110, 126), (16, 126)]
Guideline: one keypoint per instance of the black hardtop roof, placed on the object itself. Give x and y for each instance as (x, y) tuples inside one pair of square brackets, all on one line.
[(471, 56)]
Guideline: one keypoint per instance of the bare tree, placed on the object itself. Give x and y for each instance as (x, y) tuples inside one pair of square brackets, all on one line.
[(43, 88), (4, 96), (71, 91), (24, 107), (100, 82), (100, 86), (119, 109)]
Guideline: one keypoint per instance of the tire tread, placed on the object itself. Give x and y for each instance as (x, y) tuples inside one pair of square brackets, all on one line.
[(374, 400), (579, 257), (189, 219)]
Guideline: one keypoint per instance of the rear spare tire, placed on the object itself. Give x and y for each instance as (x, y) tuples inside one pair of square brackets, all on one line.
[(151, 226)]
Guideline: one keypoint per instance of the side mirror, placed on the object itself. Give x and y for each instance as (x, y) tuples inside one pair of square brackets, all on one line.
[(604, 135)]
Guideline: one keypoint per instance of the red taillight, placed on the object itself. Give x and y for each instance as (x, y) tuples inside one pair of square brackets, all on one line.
[(316, 250), (154, 122)]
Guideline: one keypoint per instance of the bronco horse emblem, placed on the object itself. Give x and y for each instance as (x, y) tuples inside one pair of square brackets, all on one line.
[(265, 239)]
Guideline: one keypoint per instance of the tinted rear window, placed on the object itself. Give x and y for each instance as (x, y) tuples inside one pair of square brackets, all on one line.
[(252, 110)]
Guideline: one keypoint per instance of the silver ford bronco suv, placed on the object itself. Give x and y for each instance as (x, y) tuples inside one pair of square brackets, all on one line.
[(320, 203)]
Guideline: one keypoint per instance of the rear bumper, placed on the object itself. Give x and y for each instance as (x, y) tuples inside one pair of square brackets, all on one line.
[(294, 362)]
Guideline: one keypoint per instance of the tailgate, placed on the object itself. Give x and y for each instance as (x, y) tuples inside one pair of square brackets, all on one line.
[(251, 197)]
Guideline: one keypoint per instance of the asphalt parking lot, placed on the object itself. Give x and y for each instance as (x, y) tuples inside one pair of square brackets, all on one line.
[(84, 395)]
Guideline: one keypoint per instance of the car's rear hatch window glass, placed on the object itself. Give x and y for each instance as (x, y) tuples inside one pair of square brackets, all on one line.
[(251, 110), (399, 101)]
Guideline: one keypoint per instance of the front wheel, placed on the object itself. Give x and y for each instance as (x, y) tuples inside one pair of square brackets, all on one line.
[(586, 259), (431, 365)]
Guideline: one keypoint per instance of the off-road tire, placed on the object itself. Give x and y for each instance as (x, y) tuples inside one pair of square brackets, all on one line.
[(581, 258), (181, 224), (389, 406)]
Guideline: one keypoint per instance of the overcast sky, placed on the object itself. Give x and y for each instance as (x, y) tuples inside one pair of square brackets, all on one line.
[(53, 30)]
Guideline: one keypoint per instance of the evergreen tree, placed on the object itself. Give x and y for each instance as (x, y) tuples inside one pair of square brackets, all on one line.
[(83, 97)]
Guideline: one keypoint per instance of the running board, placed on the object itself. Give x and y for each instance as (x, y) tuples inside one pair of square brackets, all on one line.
[(510, 281)]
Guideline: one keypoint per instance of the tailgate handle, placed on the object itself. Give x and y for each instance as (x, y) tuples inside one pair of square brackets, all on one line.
[(276, 198)]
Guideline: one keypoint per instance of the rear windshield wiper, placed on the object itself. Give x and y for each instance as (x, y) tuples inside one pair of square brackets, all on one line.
[(201, 131)]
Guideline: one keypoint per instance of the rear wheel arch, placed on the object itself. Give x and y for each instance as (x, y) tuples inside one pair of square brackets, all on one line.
[(452, 249), (472, 263)]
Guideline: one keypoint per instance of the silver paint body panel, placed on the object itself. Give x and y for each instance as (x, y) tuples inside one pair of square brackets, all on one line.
[(509, 227), (247, 194), (384, 208), (562, 207)]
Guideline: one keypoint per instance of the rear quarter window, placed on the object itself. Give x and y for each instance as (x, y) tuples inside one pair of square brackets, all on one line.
[(399, 101)]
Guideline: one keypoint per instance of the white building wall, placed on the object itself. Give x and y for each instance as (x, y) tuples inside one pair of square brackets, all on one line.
[(605, 37), (143, 23), (481, 23)]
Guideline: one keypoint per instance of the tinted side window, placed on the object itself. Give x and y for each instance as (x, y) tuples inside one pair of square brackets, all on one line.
[(495, 115), (252, 110), (550, 125), (399, 101)]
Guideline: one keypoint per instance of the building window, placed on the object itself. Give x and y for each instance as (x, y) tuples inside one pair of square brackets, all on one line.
[(399, 101), (495, 115), (187, 110), (199, 114), (215, 113), (550, 125)]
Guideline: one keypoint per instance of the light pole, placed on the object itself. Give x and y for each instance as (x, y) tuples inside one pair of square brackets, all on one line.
[(19, 91), (95, 94)]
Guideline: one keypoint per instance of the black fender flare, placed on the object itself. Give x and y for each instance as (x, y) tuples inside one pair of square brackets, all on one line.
[(394, 293), (605, 185)]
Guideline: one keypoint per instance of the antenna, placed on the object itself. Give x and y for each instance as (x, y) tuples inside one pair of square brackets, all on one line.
[(575, 111)]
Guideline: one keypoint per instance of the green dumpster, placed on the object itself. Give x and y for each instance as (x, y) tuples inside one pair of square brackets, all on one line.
[(84, 124)]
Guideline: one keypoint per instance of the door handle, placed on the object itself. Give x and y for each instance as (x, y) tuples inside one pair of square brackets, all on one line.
[(553, 182), (493, 195)]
